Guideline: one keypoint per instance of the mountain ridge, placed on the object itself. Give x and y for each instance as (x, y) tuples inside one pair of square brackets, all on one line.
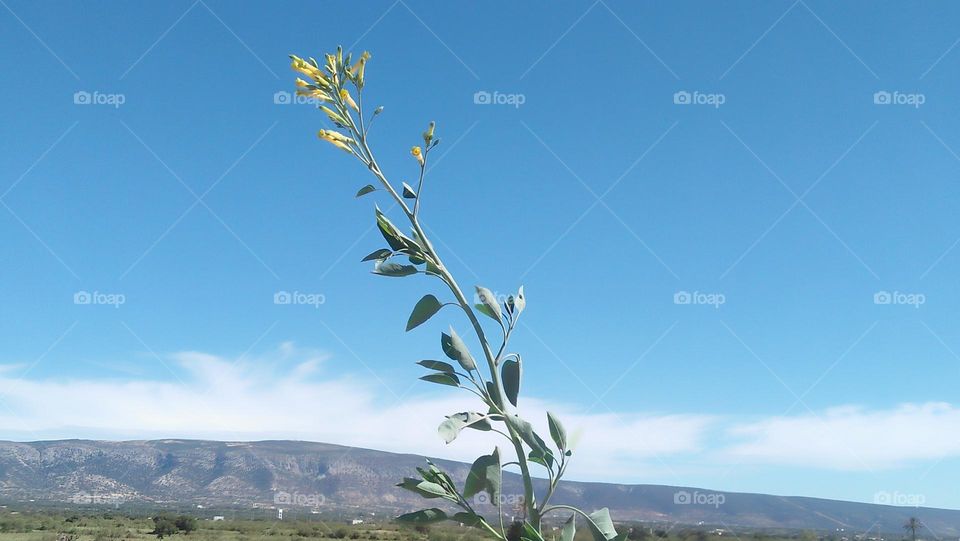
[(293, 473)]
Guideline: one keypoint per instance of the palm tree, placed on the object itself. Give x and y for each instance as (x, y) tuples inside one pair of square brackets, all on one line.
[(911, 526)]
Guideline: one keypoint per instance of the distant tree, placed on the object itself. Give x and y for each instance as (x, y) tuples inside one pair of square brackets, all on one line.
[(163, 526), (185, 524), (638, 533), (911, 526)]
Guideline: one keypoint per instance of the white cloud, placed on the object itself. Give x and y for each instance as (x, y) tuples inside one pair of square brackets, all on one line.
[(853, 438), (287, 395), (290, 395)]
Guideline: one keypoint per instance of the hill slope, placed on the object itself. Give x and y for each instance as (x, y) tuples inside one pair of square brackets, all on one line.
[(309, 474)]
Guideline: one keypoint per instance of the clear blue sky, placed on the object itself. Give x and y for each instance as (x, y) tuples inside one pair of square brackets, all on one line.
[(797, 200)]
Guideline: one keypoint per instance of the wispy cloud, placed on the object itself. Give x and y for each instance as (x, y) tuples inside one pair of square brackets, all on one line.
[(853, 438), (292, 393)]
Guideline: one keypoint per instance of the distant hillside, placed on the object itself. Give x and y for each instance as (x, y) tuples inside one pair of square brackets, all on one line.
[(306, 474)]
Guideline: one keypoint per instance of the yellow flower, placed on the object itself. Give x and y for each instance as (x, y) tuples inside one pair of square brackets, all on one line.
[(304, 67), (301, 83), (316, 94), (335, 117), (336, 139), (346, 98), (415, 151), (358, 69)]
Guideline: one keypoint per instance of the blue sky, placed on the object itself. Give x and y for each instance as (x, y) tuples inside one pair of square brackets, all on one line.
[(789, 192)]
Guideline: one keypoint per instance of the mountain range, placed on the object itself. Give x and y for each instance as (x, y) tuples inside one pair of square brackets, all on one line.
[(318, 476)]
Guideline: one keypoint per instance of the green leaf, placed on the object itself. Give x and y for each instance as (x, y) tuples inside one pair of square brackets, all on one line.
[(426, 489), (511, 372), (539, 451), (489, 301), (520, 301), (530, 532), (557, 432), (439, 366), (469, 519), (378, 255), (408, 192), (394, 269), (425, 516), (442, 379), (569, 529), (456, 350), (485, 476), (397, 240), (451, 427), (365, 190), (424, 310), (601, 525)]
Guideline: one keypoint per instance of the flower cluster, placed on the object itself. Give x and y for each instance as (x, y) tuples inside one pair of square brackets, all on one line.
[(328, 85)]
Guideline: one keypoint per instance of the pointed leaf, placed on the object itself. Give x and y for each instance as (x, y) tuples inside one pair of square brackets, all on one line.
[(510, 372), (425, 489), (442, 379), (456, 350), (424, 310), (378, 255), (450, 428), (408, 192), (569, 529), (469, 519), (485, 476), (489, 301), (424, 516), (601, 525), (557, 433), (394, 269), (520, 301), (365, 190), (439, 366)]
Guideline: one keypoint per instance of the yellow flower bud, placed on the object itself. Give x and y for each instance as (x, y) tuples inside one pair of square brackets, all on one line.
[(428, 135), (418, 154), (346, 98)]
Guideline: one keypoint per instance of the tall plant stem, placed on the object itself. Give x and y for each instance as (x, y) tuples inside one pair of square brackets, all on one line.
[(530, 500)]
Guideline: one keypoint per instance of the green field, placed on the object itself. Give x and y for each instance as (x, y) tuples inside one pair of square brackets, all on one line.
[(117, 525)]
